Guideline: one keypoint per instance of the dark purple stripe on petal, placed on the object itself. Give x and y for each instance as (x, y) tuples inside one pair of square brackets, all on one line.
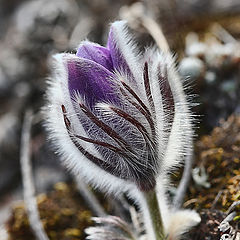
[(150, 145), (144, 178), (130, 90), (99, 162), (146, 185), (96, 53), (147, 87), (134, 122), (141, 110), (132, 170), (92, 81), (65, 118), (129, 158), (100, 143), (108, 130), (167, 95)]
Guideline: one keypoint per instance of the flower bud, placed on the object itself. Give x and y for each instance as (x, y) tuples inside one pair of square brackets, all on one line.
[(117, 117)]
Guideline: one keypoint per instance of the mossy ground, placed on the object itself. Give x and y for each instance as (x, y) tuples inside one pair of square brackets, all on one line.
[(63, 213), (219, 154)]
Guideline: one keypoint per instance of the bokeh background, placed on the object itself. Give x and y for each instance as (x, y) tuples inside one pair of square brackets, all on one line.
[(204, 35)]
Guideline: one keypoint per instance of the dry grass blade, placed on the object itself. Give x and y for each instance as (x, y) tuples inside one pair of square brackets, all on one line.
[(27, 176), (183, 185), (112, 227), (89, 197)]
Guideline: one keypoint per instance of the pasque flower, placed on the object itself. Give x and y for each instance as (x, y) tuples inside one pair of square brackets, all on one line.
[(119, 117)]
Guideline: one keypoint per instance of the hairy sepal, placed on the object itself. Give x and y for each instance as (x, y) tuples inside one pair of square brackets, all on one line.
[(181, 222), (75, 161)]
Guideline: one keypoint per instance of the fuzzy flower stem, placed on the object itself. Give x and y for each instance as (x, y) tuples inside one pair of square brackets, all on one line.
[(155, 214)]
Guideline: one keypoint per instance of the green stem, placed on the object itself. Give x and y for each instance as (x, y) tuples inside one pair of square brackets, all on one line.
[(155, 214)]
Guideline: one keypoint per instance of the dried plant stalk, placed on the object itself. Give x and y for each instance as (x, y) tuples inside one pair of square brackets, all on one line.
[(28, 183)]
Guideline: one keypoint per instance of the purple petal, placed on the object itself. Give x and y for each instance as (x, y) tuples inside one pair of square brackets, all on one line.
[(96, 53), (115, 45), (91, 80)]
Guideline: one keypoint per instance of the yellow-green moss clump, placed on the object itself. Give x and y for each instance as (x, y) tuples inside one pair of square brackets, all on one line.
[(219, 155), (63, 214)]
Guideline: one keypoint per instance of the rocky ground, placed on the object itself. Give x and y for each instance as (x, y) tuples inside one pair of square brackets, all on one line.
[(32, 31)]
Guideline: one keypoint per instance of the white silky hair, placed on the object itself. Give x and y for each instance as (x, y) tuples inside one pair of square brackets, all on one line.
[(72, 158), (160, 121), (175, 223), (175, 146), (177, 143), (172, 147), (181, 134), (128, 49), (131, 54), (86, 42), (180, 222)]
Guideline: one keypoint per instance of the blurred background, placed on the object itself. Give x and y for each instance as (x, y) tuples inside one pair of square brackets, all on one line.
[(204, 36)]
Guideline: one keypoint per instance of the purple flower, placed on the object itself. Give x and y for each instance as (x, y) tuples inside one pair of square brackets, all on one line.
[(118, 117)]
